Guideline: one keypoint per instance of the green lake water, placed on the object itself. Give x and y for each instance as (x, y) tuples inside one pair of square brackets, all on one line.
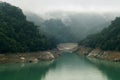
[(67, 67)]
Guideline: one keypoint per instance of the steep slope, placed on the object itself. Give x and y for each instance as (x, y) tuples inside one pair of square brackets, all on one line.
[(107, 39), (17, 34)]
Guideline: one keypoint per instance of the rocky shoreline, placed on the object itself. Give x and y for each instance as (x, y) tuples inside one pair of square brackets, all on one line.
[(53, 54), (38, 56), (29, 57), (99, 54)]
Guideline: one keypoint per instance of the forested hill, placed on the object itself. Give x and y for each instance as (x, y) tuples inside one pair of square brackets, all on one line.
[(107, 39), (17, 34)]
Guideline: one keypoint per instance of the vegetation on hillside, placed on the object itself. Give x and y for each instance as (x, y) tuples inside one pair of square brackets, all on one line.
[(107, 39), (19, 35)]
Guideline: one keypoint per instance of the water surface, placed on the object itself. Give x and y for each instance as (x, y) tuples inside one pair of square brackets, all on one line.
[(68, 67)]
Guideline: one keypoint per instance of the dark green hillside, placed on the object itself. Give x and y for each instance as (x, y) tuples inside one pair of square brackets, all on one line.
[(107, 39), (17, 34)]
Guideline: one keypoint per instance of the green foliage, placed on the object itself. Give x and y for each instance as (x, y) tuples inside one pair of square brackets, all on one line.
[(107, 39), (19, 35)]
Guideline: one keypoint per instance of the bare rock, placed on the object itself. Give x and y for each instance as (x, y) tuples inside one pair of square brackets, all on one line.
[(35, 60), (47, 56)]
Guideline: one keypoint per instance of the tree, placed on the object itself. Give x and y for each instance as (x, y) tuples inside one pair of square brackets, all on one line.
[(19, 35)]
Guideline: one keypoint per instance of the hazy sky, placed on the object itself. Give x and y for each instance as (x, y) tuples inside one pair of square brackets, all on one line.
[(39, 6)]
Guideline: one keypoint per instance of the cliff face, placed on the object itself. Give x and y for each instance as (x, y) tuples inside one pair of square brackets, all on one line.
[(100, 54)]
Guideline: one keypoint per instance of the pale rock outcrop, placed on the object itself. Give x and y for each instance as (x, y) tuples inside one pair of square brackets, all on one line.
[(47, 56)]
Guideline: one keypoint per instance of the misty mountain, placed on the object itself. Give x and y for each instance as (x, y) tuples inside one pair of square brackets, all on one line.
[(57, 29), (71, 27), (107, 39), (84, 24)]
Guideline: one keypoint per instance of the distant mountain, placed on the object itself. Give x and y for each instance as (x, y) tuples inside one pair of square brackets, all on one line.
[(71, 27), (57, 29), (107, 39), (17, 34), (83, 24)]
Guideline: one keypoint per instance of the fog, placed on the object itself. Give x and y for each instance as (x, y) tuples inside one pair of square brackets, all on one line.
[(69, 20), (42, 6), (71, 26)]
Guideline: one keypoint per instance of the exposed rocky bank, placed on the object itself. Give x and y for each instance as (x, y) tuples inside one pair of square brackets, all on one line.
[(98, 53), (29, 57), (53, 54), (38, 56)]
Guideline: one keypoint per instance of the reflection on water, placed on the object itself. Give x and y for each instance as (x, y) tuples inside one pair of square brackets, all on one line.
[(110, 69), (67, 67), (28, 71), (72, 67)]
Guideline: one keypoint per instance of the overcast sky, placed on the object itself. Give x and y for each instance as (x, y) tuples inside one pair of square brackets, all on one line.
[(39, 6)]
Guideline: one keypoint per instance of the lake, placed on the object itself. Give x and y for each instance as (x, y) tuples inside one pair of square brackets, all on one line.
[(67, 67)]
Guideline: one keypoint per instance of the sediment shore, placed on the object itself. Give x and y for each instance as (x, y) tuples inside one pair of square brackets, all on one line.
[(38, 56), (99, 54), (29, 57), (53, 54)]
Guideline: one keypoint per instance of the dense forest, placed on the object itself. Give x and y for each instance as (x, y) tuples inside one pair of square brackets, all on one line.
[(107, 39), (19, 35)]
